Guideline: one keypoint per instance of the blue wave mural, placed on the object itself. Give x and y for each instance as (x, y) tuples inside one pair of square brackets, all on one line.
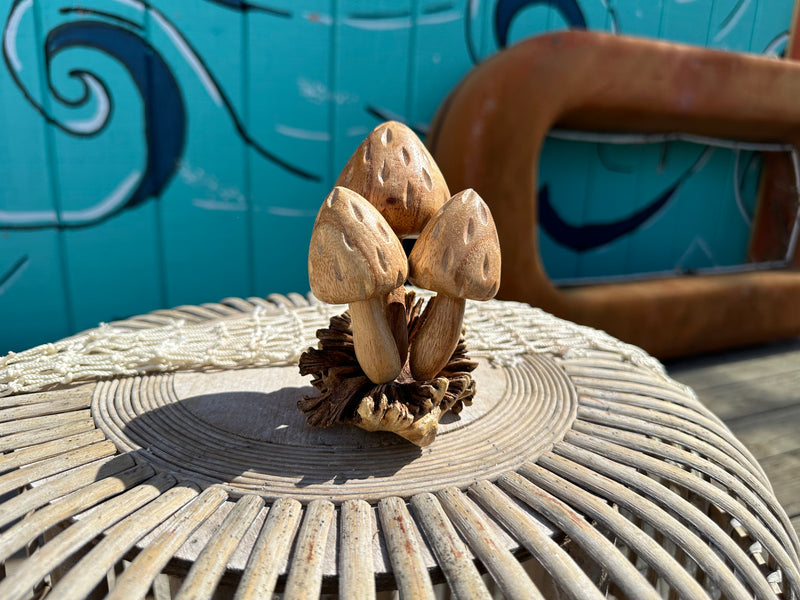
[(177, 150), (165, 119)]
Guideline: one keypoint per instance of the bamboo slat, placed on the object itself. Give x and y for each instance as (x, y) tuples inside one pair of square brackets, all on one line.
[(356, 570), (32, 454), (593, 542), (45, 422), (16, 537), (662, 563), (668, 498), (49, 556), (91, 568), (209, 567), (140, 574), (30, 437), (61, 486), (305, 574), (558, 563), (501, 564), (452, 553), (405, 550), (271, 550)]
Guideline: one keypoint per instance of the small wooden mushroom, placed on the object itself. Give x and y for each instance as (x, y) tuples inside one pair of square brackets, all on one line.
[(355, 258), (457, 255), (394, 171)]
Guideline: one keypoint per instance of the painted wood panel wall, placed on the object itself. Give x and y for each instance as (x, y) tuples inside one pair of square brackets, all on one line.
[(176, 151)]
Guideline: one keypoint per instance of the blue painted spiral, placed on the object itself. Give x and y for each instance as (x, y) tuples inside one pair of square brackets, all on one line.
[(165, 113), (506, 10)]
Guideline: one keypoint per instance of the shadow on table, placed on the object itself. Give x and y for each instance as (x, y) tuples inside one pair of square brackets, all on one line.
[(254, 440)]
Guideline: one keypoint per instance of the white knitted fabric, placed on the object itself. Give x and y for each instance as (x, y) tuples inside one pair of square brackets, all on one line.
[(265, 336)]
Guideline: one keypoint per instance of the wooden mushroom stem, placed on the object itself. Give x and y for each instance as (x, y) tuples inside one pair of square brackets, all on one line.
[(398, 321), (437, 336), (375, 346)]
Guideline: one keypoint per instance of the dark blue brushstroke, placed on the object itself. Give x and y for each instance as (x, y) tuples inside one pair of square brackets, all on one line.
[(506, 10), (164, 110), (581, 238), (244, 6), (16, 269)]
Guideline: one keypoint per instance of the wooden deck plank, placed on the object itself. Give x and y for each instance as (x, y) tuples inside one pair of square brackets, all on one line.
[(756, 392), (770, 433), (740, 383), (783, 471)]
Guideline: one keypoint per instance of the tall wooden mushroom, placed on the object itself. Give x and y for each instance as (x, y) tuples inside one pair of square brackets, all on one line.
[(394, 171), (355, 258), (457, 255)]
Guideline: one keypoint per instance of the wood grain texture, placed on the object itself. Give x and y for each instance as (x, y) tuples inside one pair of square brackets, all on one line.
[(557, 562), (353, 254), (91, 568), (487, 546), (72, 539)]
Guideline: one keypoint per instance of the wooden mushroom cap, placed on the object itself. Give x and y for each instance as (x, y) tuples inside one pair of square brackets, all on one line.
[(394, 171), (458, 252), (353, 254)]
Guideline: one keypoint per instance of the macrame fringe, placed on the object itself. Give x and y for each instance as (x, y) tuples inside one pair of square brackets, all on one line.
[(257, 336)]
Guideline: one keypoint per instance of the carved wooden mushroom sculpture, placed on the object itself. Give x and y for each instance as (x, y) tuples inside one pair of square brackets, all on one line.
[(457, 255), (394, 171), (355, 258)]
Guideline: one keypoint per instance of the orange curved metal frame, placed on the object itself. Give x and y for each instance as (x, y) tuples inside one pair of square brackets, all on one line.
[(489, 133)]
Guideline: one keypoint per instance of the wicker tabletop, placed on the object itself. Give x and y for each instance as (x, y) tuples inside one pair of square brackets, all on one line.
[(580, 469)]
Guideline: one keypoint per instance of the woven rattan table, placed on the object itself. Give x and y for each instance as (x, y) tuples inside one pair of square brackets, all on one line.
[(581, 469)]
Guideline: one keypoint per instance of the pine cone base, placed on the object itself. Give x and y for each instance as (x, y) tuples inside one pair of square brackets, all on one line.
[(409, 408)]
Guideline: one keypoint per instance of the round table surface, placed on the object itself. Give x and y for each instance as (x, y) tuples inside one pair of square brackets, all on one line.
[(580, 468)]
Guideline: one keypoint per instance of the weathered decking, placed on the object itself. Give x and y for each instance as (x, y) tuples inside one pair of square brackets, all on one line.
[(756, 392)]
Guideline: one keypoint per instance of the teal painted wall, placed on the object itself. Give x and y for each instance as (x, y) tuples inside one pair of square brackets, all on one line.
[(176, 151)]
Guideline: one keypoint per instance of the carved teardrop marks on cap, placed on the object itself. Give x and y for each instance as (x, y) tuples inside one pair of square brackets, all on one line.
[(447, 259), (337, 270), (382, 259), (426, 177), (405, 156), (356, 210), (408, 194), (386, 136), (384, 230), (333, 198), (346, 241), (483, 213), (437, 229), (469, 231)]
